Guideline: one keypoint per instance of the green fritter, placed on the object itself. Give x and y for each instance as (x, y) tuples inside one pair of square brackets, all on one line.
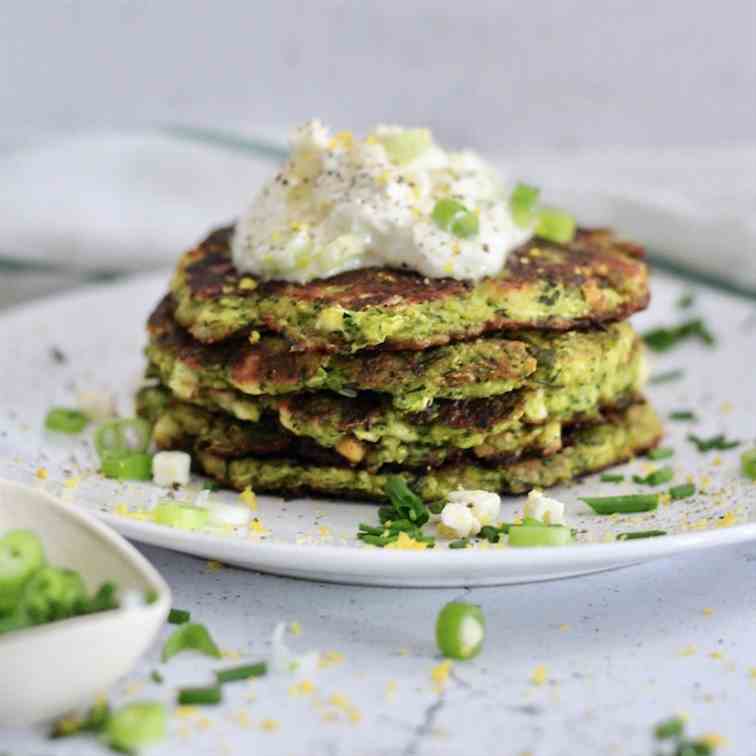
[(591, 449), (592, 280), (477, 369)]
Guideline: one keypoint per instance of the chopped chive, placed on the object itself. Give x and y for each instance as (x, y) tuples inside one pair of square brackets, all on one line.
[(605, 505), (718, 442), (748, 463), (460, 543), (64, 420), (366, 529), (670, 728), (179, 616), (663, 339), (522, 204), (386, 513), (686, 300), (192, 637), (640, 534), (210, 485), (683, 491), (200, 696), (661, 453), (405, 501), (555, 225), (243, 672), (668, 377), (156, 677), (612, 478), (682, 415), (656, 478), (490, 534), (374, 540)]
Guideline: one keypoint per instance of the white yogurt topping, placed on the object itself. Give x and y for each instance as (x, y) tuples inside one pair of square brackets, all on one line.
[(341, 203)]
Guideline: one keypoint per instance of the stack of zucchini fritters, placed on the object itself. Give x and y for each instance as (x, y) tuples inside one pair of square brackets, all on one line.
[(523, 380)]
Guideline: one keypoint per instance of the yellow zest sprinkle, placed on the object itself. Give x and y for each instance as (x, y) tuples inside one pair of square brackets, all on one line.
[(71, 482), (323, 531), (249, 498), (213, 565), (257, 528), (295, 628), (391, 688), (564, 627), (708, 611), (247, 284), (302, 688), (689, 650), (330, 659), (539, 675), (269, 725), (440, 675), (405, 543), (448, 268), (727, 521), (339, 700), (665, 499), (186, 712), (714, 740), (716, 655), (371, 139), (343, 139), (241, 718), (41, 473), (726, 408), (404, 652), (752, 673)]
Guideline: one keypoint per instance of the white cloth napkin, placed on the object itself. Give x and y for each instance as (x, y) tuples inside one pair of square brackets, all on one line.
[(136, 200)]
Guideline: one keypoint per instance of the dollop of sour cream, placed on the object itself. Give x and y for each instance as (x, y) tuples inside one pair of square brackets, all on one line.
[(342, 203)]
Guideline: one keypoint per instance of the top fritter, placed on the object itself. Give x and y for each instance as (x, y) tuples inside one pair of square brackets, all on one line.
[(594, 279)]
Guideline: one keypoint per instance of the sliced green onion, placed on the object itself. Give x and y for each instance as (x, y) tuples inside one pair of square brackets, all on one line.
[(555, 225), (522, 204), (661, 453), (681, 415), (663, 339), (686, 300), (748, 463), (156, 677), (104, 599), (374, 540), (95, 721), (612, 478), (656, 478), (406, 502), (606, 505), (640, 534), (404, 146), (179, 616), (539, 535), (191, 637), (460, 543), (64, 420), (454, 217), (135, 725), (668, 377), (243, 672), (120, 437), (683, 491), (134, 466), (670, 728), (200, 696), (210, 485), (52, 593), (178, 515), (490, 533), (718, 442), (460, 630)]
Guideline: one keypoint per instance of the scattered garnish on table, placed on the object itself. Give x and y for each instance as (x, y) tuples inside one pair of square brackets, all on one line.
[(686, 300), (748, 463), (460, 630), (655, 478), (122, 447), (672, 731), (612, 478), (35, 593), (661, 453), (190, 637), (718, 442), (624, 504), (179, 616), (636, 534), (682, 415), (663, 339), (66, 420), (243, 672), (683, 491), (208, 695), (668, 377)]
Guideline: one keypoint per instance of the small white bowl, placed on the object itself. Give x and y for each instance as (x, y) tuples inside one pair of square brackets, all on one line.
[(49, 670)]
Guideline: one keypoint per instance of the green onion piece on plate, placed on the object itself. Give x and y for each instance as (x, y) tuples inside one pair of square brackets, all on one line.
[(460, 630), (683, 491), (636, 534), (460, 543), (522, 204), (555, 225), (539, 535), (191, 637), (682, 415), (718, 442), (135, 725), (748, 463), (606, 505), (490, 533), (454, 217), (120, 437), (134, 466), (199, 696), (661, 453), (612, 478), (656, 478), (64, 420), (663, 339), (179, 616), (243, 672), (178, 515), (670, 728)]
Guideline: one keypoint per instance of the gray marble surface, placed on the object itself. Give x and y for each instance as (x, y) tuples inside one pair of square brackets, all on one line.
[(620, 651)]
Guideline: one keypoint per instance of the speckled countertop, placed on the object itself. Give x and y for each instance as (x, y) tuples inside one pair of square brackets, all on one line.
[(582, 666)]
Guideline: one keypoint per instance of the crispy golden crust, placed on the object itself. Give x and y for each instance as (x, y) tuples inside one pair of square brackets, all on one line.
[(595, 279)]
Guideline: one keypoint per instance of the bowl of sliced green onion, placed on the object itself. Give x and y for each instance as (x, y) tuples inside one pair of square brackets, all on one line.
[(78, 606)]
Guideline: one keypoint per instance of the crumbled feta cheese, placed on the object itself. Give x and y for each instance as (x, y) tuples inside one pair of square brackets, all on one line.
[(229, 514), (459, 519), (485, 505), (171, 467), (544, 508)]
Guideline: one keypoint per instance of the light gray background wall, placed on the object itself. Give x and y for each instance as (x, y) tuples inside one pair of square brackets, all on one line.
[(502, 75)]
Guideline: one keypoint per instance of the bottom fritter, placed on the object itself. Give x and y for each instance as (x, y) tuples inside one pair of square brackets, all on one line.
[(586, 450)]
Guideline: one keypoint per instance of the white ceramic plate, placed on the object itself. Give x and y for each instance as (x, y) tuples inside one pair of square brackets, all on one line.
[(94, 339)]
